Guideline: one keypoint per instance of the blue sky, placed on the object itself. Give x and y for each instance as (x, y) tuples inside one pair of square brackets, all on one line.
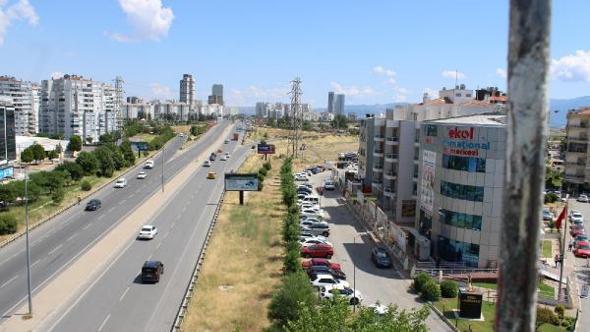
[(374, 51)]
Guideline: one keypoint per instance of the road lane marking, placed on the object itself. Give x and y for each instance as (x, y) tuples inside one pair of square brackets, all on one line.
[(87, 225), (104, 322), (9, 281), (71, 237), (150, 257), (54, 249), (124, 293), (158, 246), (100, 217), (37, 262), (111, 209)]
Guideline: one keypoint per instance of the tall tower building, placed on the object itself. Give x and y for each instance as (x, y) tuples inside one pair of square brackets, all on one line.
[(187, 89), (22, 95), (339, 104), (216, 96), (7, 132), (331, 102)]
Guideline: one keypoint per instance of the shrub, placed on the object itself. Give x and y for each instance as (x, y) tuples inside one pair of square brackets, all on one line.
[(560, 311), (291, 262), (430, 291), (545, 315), (551, 198), (8, 224), (420, 280), (58, 196), (267, 165), (294, 293), (85, 185), (263, 171), (449, 288)]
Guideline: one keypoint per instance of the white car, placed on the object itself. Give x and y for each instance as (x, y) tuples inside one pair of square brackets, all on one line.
[(329, 185), (305, 242), (311, 206), (312, 212), (224, 158), (583, 198), (227, 155), (323, 279), (206, 163), (310, 217), (141, 175), (305, 185), (121, 183), (149, 164), (301, 177), (576, 216), (353, 296), (311, 222), (147, 232)]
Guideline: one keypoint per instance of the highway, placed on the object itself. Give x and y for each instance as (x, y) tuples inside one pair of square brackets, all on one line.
[(59, 242), (117, 300)]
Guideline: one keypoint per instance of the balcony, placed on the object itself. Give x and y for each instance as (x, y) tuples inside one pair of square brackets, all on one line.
[(379, 138), (377, 183), (390, 175), (392, 140), (388, 192), (378, 153), (378, 168), (391, 157)]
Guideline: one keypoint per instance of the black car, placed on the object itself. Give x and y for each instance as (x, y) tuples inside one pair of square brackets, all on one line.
[(212, 156), (312, 271), (380, 256), (151, 271), (93, 205)]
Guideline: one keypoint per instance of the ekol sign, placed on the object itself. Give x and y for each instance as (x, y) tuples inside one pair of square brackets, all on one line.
[(456, 133)]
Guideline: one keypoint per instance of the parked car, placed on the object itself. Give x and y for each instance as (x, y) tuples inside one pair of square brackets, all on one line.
[(305, 234), (151, 271), (121, 183), (322, 280), (353, 296), (310, 206), (580, 238), (304, 191), (577, 230), (306, 242), (309, 220), (305, 185), (582, 249), (93, 205), (320, 229), (576, 216), (582, 198), (308, 199), (206, 163), (320, 262), (309, 223), (547, 215), (321, 250), (141, 175), (319, 269), (301, 177), (147, 232), (380, 257), (329, 185)]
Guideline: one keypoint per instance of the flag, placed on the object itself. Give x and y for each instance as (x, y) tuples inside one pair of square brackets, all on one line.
[(561, 217)]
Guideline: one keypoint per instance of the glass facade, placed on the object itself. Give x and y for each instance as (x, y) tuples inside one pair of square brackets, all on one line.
[(461, 191), (7, 135), (462, 220), (458, 251), (467, 164)]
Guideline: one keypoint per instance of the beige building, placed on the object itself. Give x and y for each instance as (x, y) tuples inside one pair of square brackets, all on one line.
[(577, 158)]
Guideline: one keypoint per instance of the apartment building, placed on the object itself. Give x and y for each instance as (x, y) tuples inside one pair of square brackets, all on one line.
[(187, 89), (171, 110), (138, 110), (25, 100), (7, 137), (73, 105), (461, 179), (577, 156)]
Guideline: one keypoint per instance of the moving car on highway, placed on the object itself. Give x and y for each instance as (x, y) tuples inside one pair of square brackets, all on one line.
[(141, 175), (147, 232), (211, 175), (93, 205), (207, 163), (121, 183), (149, 164), (151, 271)]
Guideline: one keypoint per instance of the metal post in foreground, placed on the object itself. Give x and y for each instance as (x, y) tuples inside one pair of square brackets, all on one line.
[(528, 63), (30, 298), (354, 277)]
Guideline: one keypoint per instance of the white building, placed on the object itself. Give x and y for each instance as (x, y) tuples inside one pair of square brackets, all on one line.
[(25, 99), (132, 111), (171, 110), (187, 89), (73, 105)]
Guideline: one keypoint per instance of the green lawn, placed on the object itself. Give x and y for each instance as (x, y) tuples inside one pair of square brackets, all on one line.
[(544, 289), (546, 249)]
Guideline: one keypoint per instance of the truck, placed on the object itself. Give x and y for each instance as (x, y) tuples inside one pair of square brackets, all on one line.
[(236, 137)]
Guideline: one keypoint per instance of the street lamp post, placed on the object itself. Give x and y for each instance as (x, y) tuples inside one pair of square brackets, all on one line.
[(354, 278), (27, 242), (162, 157)]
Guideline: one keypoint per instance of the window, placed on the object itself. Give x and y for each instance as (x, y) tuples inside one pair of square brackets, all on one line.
[(461, 220), (431, 130), (461, 191), (458, 251), (469, 164)]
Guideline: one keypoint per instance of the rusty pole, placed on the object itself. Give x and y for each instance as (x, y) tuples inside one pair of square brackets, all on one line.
[(528, 63)]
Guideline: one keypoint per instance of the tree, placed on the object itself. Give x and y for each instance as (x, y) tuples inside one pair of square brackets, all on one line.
[(74, 169), (8, 224), (53, 154), (75, 144), (306, 125), (106, 165), (38, 152), (294, 292), (430, 291), (340, 122), (27, 156), (7, 193), (107, 138), (127, 152), (88, 162)]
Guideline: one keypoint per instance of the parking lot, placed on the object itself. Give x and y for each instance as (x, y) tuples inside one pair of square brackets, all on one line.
[(352, 249)]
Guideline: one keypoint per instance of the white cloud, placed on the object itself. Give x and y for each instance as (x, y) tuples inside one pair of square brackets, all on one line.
[(501, 72), (56, 75), (382, 71), (160, 91), (352, 90), (453, 74), (572, 67), (20, 10), (149, 19)]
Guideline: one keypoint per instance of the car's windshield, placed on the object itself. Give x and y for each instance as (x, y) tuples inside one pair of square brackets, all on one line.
[(146, 229)]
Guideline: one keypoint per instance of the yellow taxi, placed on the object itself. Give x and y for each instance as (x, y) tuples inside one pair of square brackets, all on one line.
[(211, 175)]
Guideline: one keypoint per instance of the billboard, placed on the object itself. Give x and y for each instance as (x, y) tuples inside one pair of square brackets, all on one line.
[(241, 182), (427, 183), (266, 149), (7, 172)]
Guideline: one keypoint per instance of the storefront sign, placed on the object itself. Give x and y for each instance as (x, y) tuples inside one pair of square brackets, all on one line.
[(461, 143), (266, 149)]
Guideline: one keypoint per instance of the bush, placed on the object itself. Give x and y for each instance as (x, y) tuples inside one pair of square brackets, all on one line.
[(420, 280), (263, 171), (8, 224), (430, 291), (560, 311), (58, 196), (267, 165), (551, 198), (545, 315), (291, 263), (294, 293), (85, 185), (449, 288)]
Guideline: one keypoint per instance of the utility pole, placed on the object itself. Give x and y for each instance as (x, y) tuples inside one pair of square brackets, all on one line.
[(162, 158), (118, 103), (295, 117), (528, 64), (30, 298)]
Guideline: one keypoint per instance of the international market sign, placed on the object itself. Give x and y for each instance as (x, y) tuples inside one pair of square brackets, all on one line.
[(461, 142)]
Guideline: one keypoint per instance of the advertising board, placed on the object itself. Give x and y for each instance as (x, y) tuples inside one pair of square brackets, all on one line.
[(266, 149), (241, 182)]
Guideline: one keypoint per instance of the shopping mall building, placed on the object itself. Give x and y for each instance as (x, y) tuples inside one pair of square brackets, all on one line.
[(460, 188)]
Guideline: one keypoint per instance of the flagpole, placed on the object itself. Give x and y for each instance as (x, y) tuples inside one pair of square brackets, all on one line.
[(562, 251)]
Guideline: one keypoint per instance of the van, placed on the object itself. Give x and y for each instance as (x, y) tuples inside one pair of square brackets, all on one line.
[(151, 271)]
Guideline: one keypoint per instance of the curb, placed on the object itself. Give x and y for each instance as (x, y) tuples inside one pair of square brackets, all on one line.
[(442, 316), (65, 208)]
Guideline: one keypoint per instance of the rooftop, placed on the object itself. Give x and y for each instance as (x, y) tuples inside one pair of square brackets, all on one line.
[(478, 119)]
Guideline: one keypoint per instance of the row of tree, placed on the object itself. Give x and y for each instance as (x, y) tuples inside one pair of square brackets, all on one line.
[(339, 122), (37, 153), (295, 305)]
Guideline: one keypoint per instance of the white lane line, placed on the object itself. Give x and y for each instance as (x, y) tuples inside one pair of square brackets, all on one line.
[(87, 225), (124, 293), (150, 258), (104, 322), (123, 201), (158, 246), (71, 237), (37, 262), (54, 249), (9, 281)]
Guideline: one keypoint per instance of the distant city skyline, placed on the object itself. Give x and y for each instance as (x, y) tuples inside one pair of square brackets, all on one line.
[(383, 60)]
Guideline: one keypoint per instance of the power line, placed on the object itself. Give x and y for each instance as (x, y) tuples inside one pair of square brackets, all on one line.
[(295, 117)]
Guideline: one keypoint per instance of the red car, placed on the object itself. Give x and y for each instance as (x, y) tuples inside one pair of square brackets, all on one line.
[(320, 250), (320, 262), (582, 249), (577, 230)]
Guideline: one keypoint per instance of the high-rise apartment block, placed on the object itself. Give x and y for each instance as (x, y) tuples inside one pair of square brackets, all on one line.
[(338, 104), (330, 102), (7, 133), (216, 96), (25, 99), (577, 155), (73, 105), (187, 89)]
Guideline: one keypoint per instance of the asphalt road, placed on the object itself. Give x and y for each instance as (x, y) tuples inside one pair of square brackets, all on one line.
[(352, 249), (59, 242), (117, 300)]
